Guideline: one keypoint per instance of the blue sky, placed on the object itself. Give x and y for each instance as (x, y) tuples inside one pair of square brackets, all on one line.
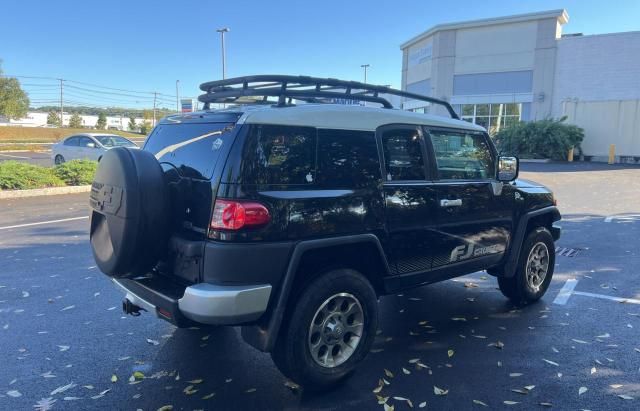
[(148, 45)]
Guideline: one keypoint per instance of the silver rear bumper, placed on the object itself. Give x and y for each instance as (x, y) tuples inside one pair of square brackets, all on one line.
[(214, 304)]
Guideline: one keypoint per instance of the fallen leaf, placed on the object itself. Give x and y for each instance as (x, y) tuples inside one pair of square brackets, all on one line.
[(605, 335), (414, 360), (14, 393), (555, 350), (62, 389), (250, 390), (439, 391), (582, 390), (71, 398), (478, 402), (294, 387), (479, 336), (189, 390), (515, 374), (546, 404), (166, 408), (388, 407), (114, 378), (616, 386), (64, 347), (498, 344), (422, 404), (138, 375), (593, 370), (625, 397), (102, 393), (209, 396), (510, 402), (458, 319), (579, 341), (152, 342), (550, 362), (388, 373), (520, 391), (45, 404), (404, 370), (68, 308), (529, 387), (450, 353), (196, 381), (470, 285)]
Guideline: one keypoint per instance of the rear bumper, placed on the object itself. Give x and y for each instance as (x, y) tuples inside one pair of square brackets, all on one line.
[(199, 303)]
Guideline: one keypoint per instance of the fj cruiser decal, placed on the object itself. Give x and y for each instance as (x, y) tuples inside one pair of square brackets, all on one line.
[(462, 252)]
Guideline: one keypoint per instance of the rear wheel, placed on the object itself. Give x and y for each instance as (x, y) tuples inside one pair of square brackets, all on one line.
[(534, 271), (58, 159), (329, 331)]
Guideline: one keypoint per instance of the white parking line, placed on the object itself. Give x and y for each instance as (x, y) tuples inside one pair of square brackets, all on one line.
[(44, 222), (608, 297), (623, 217), (9, 155), (566, 291)]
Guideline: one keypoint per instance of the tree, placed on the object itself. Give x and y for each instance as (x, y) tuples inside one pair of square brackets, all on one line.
[(102, 122), (14, 102), (53, 119), (75, 121), (132, 123), (145, 127)]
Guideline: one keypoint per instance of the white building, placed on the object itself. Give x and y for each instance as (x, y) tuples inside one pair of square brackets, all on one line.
[(39, 119), (497, 71)]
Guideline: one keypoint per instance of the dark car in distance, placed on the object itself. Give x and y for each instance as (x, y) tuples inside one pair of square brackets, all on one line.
[(289, 216)]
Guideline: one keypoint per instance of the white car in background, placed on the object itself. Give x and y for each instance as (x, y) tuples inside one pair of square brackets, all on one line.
[(87, 146)]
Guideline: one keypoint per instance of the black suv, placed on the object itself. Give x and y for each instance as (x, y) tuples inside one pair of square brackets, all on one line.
[(290, 216)]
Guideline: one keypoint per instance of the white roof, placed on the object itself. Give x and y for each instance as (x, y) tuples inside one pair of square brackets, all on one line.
[(345, 117), (560, 14)]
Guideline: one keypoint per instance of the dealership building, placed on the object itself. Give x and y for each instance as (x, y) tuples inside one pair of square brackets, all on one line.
[(520, 68)]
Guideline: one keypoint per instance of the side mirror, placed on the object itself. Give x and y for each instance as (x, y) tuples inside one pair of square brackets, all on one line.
[(508, 168), (91, 145)]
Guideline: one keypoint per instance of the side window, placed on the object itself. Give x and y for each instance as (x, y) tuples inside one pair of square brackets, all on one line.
[(403, 154), (71, 141), (462, 156), (83, 141), (347, 158), (279, 155)]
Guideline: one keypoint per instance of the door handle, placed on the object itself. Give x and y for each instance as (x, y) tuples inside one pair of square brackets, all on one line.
[(450, 203)]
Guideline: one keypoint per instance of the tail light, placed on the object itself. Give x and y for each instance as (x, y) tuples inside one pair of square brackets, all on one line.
[(234, 215)]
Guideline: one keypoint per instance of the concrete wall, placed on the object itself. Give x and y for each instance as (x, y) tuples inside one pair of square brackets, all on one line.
[(607, 122), (596, 68)]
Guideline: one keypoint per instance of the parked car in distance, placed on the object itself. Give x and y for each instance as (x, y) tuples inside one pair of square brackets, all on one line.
[(87, 146)]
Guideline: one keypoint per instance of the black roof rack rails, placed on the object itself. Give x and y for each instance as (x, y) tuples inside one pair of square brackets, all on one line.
[(304, 88)]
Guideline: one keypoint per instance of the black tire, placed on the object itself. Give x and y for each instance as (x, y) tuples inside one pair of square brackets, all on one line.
[(58, 160), (517, 288), (292, 354), (130, 201)]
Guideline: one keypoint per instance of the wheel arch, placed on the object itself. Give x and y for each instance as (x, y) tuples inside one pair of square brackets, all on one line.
[(263, 336), (544, 217)]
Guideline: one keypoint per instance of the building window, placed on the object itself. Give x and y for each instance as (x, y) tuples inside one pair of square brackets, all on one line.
[(493, 117)]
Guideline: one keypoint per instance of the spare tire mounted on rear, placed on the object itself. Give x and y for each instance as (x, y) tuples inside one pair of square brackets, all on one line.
[(130, 210)]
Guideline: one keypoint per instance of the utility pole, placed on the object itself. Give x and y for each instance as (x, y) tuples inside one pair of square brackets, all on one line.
[(177, 97), (61, 104), (155, 95), (365, 67), (224, 63)]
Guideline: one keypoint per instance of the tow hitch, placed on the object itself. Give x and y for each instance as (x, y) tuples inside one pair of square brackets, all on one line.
[(130, 308)]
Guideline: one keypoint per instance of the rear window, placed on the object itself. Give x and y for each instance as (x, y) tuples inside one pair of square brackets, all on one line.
[(347, 158), (194, 149), (279, 155)]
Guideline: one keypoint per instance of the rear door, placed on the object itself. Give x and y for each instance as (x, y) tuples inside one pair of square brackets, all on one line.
[(410, 200), (474, 217)]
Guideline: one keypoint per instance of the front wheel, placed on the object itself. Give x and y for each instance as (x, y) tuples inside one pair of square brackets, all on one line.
[(329, 331), (534, 271), (58, 159)]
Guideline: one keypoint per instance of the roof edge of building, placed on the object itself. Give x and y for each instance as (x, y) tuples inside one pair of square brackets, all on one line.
[(560, 14)]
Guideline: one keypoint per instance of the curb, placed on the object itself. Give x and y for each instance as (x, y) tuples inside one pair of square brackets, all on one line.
[(535, 160), (50, 191)]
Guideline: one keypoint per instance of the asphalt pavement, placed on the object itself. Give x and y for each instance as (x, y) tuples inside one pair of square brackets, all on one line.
[(63, 337), (41, 158)]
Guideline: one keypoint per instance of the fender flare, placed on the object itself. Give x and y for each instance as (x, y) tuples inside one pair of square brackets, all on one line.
[(513, 256), (263, 336)]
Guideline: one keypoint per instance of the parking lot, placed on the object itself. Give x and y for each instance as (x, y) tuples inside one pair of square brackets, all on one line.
[(454, 345)]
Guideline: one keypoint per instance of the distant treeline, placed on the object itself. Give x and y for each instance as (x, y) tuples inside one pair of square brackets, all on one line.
[(111, 111)]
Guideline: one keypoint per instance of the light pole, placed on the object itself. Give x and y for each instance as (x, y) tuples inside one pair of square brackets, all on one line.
[(177, 97), (224, 63), (365, 67)]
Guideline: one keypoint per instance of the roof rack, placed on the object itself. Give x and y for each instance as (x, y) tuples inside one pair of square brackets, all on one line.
[(310, 89)]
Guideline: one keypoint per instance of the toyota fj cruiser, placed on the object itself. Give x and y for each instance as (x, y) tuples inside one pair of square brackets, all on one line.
[(290, 215)]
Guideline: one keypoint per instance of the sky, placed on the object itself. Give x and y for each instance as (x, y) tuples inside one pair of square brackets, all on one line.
[(146, 46)]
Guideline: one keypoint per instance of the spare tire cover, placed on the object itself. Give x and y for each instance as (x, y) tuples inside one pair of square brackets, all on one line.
[(129, 202)]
